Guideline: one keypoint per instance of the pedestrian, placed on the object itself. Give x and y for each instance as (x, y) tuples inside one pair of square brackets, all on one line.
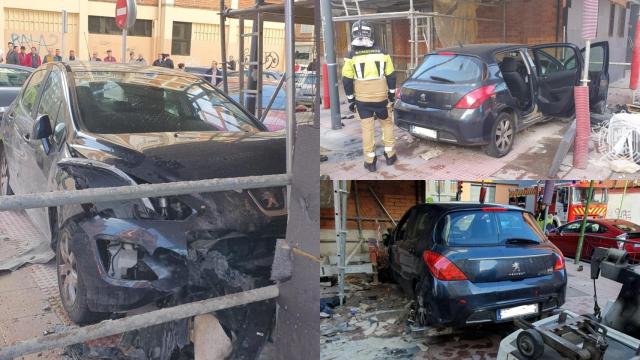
[(94, 57), (47, 58), (158, 61), (167, 62), (72, 55), (132, 58), (215, 74), (231, 64), (57, 56), (23, 57), (370, 83), (12, 56), (9, 51), (110, 57), (181, 66), (140, 60), (34, 59)]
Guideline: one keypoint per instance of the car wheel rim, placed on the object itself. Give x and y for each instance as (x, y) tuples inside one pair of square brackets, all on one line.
[(504, 135), (4, 176), (68, 272)]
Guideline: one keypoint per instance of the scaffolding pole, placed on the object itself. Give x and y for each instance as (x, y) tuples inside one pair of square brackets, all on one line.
[(340, 218), (289, 69), (223, 48), (332, 66)]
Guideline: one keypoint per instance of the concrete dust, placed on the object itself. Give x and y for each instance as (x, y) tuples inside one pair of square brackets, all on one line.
[(430, 154)]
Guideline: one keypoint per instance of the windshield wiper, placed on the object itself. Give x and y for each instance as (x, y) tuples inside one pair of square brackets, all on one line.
[(521, 241), (441, 79)]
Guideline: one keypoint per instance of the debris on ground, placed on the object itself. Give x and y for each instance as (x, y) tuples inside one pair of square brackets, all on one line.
[(431, 153), (624, 166), (619, 138)]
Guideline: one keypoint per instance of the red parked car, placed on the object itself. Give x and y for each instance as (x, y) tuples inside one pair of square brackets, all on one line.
[(609, 233)]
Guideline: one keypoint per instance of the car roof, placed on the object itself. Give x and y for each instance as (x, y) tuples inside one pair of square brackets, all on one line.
[(18, 67), (484, 51), (107, 66), (466, 205)]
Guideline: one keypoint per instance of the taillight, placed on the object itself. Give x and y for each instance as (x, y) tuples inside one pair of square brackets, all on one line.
[(475, 98), (493, 209), (441, 267), (559, 265), (446, 53)]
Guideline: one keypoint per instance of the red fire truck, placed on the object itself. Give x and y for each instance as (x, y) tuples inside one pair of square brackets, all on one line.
[(568, 202)]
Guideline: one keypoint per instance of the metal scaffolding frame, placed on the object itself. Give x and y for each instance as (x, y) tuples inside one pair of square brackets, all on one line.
[(301, 12), (421, 24)]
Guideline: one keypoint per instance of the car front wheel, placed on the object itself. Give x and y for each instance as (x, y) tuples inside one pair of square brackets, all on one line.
[(70, 282), (5, 189), (503, 134)]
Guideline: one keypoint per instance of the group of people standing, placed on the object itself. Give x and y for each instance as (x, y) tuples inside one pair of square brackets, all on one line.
[(17, 55)]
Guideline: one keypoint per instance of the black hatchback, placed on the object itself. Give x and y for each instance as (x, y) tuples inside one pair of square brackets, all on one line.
[(470, 263), (483, 94)]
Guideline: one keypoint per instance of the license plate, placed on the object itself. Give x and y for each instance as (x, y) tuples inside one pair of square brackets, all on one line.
[(424, 132), (517, 311)]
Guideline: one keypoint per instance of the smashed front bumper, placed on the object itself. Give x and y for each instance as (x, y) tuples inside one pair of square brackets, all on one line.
[(129, 263)]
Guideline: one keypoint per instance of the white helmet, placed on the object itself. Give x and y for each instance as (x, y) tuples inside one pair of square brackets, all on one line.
[(361, 33)]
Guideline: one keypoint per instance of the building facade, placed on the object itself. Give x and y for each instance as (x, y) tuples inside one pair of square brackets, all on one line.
[(189, 30)]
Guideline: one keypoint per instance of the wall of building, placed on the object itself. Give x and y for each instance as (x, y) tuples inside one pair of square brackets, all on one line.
[(630, 210), (38, 23), (617, 44)]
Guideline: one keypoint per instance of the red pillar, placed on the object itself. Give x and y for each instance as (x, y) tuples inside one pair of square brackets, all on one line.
[(326, 103)]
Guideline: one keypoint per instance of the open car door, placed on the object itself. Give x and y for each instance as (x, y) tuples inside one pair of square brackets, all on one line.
[(557, 73), (598, 76)]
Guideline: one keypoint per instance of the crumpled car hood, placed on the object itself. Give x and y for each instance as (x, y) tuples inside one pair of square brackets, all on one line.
[(166, 157)]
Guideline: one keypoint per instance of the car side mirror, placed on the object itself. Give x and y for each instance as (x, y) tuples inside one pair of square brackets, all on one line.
[(42, 128)]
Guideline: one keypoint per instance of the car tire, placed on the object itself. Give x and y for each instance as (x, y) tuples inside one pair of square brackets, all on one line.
[(5, 189), (73, 293), (503, 134)]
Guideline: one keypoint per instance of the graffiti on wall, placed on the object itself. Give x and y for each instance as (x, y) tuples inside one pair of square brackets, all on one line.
[(270, 59), (43, 42)]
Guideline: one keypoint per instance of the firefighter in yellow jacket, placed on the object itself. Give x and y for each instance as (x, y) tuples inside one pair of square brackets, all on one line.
[(370, 83)]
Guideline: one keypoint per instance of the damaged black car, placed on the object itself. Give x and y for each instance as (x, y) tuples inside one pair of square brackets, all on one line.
[(90, 125)]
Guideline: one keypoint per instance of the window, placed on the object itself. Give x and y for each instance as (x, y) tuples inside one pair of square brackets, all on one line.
[(489, 197), (478, 228), (555, 59), (181, 42), (599, 195), (52, 99), (30, 92), (622, 22), (107, 25), (113, 102), (458, 69), (612, 18), (10, 77)]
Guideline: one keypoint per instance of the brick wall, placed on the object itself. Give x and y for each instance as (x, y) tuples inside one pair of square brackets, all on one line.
[(396, 196), (201, 4)]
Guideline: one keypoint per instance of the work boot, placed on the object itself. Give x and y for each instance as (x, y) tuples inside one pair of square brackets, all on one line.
[(371, 166), (391, 159)]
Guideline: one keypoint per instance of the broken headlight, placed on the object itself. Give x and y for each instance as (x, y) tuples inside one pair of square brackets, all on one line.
[(170, 208)]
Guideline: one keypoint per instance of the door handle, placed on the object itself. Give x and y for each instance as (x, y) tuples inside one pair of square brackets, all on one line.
[(26, 137), (11, 115)]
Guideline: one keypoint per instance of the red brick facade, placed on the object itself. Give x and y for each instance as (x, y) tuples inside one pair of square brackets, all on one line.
[(396, 196)]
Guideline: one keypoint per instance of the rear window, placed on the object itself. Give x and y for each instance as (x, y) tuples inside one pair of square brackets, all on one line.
[(459, 69), (628, 227), (479, 228), (10, 77)]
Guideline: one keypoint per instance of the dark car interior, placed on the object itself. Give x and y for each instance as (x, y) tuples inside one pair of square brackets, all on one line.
[(557, 75), (516, 76)]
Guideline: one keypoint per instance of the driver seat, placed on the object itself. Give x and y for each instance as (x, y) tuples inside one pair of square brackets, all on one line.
[(515, 81)]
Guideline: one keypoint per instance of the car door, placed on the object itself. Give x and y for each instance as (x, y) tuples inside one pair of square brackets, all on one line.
[(557, 73), (566, 238), (17, 137), (398, 245), (598, 76), (42, 153)]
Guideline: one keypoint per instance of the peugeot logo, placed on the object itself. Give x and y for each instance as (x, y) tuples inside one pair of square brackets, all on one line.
[(423, 97), (515, 267)]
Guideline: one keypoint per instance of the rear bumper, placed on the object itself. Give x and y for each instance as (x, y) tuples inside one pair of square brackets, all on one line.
[(458, 126), (459, 303)]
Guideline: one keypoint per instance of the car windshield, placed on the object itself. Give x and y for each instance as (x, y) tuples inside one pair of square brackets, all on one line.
[(10, 77), (457, 69), (483, 228), (116, 102), (580, 195)]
